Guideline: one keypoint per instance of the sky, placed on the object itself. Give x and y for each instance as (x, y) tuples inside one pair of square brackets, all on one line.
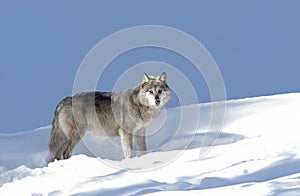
[(42, 44)]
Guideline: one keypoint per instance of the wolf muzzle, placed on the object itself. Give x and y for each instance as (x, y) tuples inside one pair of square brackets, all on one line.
[(157, 101)]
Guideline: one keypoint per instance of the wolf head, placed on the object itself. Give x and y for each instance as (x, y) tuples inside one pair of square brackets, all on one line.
[(154, 91)]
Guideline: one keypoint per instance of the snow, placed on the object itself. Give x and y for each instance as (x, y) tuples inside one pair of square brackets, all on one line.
[(256, 153)]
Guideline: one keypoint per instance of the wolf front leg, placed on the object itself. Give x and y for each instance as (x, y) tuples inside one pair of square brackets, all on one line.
[(126, 141), (140, 139)]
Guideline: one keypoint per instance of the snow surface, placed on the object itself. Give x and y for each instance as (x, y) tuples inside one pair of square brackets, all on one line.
[(257, 153)]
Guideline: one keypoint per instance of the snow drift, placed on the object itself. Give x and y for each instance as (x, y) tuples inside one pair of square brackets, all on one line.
[(257, 153)]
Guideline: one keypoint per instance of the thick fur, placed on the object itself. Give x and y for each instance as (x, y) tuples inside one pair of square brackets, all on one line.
[(126, 114)]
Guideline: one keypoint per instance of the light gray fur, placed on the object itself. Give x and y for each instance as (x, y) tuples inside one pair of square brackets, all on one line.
[(126, 114)]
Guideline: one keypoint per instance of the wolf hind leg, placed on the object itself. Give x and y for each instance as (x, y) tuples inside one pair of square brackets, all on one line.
[(126, 141), (72, 141)]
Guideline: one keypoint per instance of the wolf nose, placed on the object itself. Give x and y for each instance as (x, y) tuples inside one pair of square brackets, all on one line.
[(157, 101)]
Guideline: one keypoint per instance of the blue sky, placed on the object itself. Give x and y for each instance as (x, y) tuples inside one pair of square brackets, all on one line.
[(255, 44)]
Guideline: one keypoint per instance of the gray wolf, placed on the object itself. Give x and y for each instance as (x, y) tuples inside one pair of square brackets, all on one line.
[(126, 114)]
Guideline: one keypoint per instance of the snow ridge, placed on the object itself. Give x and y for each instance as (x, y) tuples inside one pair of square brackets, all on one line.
[(257, 153)]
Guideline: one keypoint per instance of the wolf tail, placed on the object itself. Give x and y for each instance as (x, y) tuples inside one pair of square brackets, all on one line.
[(57, 139)]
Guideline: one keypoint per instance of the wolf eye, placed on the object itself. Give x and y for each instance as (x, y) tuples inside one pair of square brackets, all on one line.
[(159, 91), (151, 91)]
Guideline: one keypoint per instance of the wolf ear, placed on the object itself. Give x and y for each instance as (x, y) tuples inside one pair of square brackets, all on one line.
[(163, 77), (145, 78)]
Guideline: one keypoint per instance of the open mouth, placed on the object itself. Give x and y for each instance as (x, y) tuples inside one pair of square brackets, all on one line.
[(157, 102)]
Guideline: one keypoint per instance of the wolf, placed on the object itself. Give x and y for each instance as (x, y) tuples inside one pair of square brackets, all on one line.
[(126, 114)]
